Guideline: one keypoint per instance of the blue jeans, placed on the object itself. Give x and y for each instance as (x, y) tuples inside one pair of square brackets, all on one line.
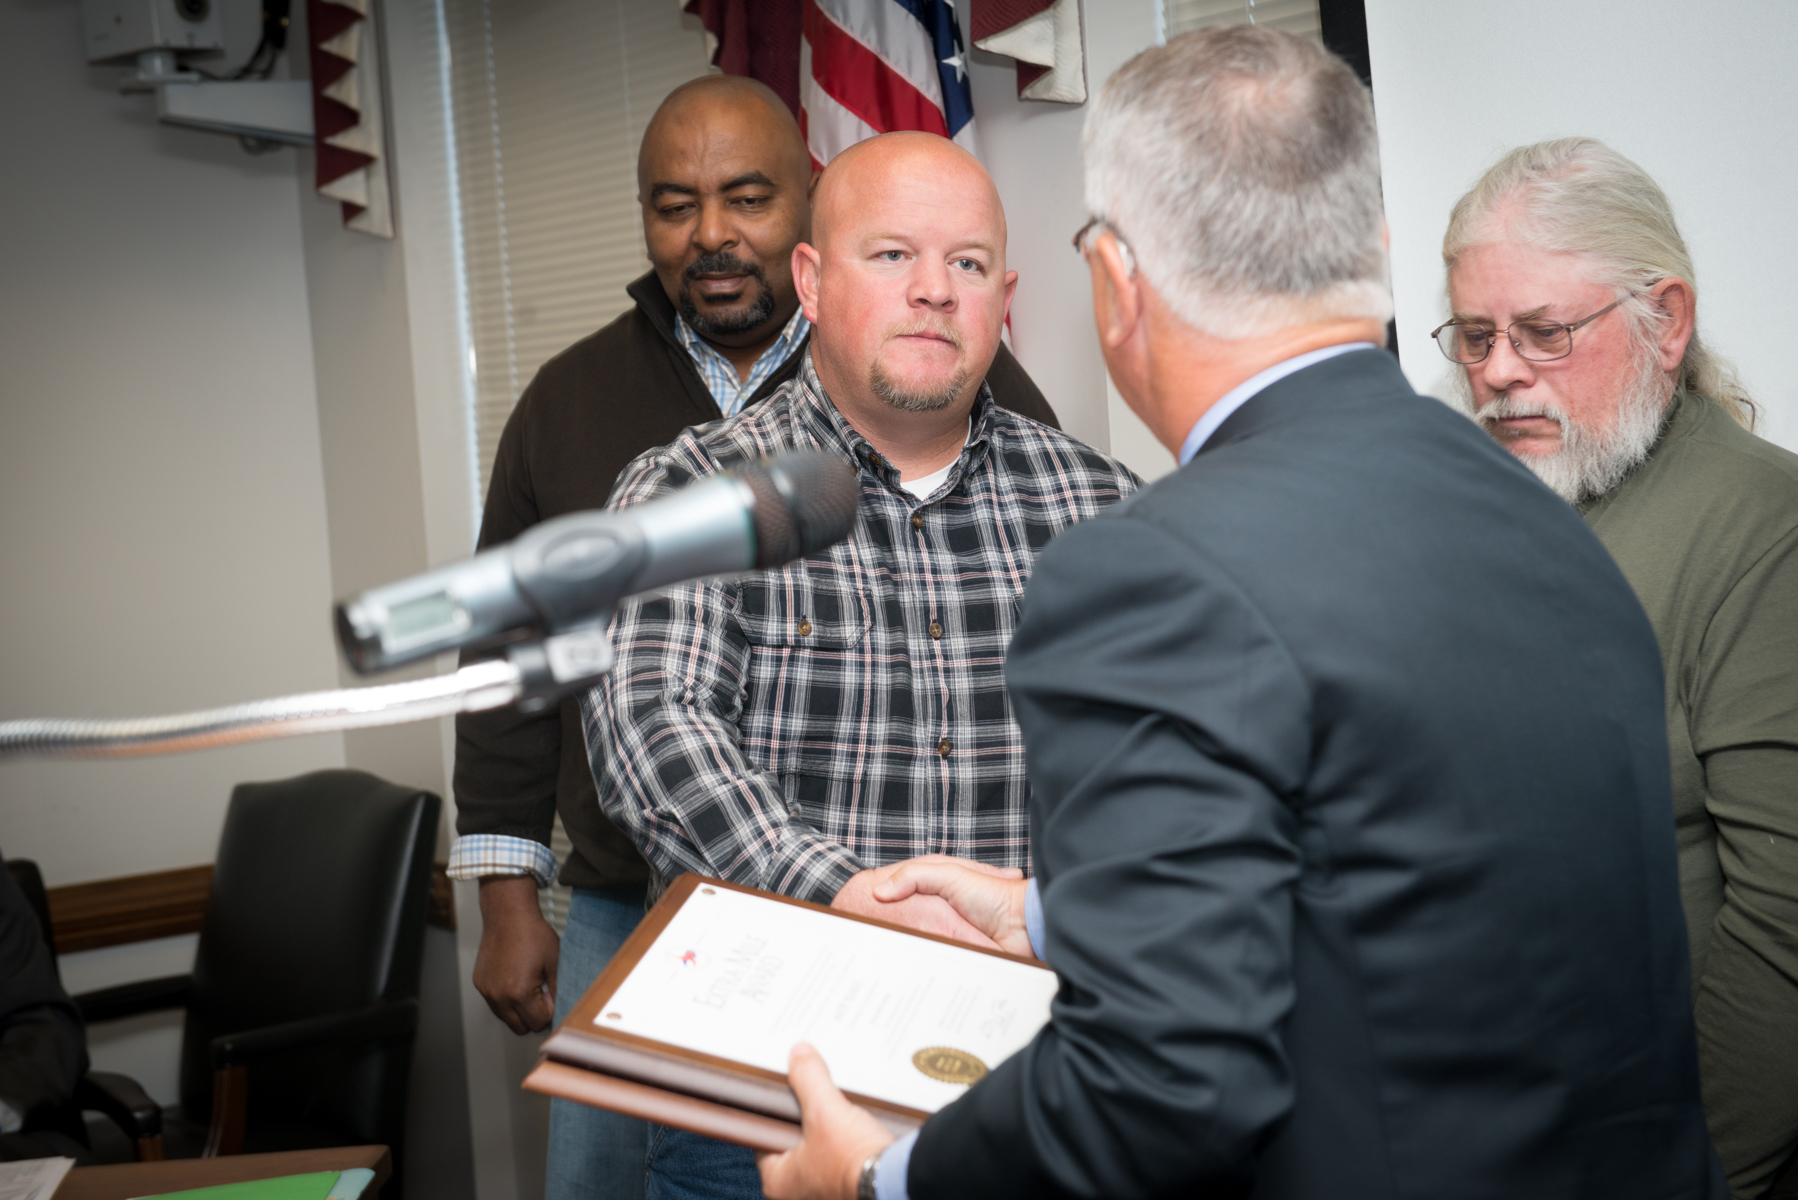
[(686, 1166), (593, 1154)]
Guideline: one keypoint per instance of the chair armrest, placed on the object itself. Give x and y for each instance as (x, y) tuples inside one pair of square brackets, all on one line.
[(123, 1101), (377, 1022), (130, 999)]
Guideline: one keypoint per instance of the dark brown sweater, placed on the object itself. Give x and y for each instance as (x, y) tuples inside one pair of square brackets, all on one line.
[(591, 409)]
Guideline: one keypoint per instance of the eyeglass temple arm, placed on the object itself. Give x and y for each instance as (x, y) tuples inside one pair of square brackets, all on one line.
[(1584, 321)]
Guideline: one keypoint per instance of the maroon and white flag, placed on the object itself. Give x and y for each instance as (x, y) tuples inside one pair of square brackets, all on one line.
[(1044, 36), (346, 112)]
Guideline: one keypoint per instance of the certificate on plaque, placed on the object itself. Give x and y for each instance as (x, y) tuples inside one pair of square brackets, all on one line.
[(691, 1022)]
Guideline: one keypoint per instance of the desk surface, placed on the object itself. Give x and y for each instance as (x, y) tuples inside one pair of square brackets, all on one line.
[(126, 1180)]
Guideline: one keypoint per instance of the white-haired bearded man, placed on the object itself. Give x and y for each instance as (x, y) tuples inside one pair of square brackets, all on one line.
[(1602, 387)]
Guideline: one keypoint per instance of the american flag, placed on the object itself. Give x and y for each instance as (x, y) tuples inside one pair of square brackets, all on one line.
[(875, 66)]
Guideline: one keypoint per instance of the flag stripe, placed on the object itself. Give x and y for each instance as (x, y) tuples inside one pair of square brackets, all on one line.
[(895, 33), (862, 82), (829, 128)]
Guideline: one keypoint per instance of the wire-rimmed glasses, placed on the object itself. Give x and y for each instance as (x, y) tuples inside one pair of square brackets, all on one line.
[(1539, 341)]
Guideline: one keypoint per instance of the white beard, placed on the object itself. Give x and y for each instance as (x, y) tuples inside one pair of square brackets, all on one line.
[(1588, 464)]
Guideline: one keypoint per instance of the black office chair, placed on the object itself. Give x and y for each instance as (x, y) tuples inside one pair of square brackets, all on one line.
[(303, 1002)]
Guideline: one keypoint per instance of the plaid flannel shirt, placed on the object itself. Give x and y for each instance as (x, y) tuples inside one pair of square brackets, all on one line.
[(788, 728)]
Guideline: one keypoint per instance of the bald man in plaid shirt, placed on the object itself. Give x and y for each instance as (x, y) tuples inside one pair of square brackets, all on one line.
[(796, 729)]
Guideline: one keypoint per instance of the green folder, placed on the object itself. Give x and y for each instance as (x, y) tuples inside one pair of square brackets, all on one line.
[(322, 1185)]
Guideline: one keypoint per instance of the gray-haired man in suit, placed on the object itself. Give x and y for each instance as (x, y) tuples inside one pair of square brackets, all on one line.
[(1350, 790)]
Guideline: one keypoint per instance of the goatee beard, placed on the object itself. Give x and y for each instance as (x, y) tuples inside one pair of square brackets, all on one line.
[(915, 399), (912, 400), (728, 323), (1588, 464)]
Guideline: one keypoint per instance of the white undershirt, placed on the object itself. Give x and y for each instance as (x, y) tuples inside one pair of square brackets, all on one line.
[(926, 484), (922, 486)]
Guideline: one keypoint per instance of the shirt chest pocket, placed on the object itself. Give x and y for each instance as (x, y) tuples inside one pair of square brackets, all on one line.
[(807, 628), (811, 605)]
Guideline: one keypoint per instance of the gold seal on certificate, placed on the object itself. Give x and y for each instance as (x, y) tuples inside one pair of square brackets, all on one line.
[(949, 1065)]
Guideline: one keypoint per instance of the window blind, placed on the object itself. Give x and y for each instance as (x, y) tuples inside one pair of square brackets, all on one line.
[(1294, 16), (550, 98)]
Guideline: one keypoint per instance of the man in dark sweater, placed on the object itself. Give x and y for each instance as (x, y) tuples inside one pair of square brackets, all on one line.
[(725, 180)]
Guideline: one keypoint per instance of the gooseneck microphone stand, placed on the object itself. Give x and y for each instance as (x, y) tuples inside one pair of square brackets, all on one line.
[(477, 686), (554, 586), (532, 675)]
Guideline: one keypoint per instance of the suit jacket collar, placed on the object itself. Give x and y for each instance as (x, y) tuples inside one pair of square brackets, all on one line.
[(1317, 387)]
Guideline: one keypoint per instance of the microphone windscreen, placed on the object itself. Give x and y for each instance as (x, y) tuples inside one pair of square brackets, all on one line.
[(805, 502)]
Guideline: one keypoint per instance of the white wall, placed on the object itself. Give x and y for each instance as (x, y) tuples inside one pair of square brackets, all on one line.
[(1701, 95), (162, 509), (1032, 149), (190, 476)]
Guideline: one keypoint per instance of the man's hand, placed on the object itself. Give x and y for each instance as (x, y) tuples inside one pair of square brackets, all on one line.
[(515, 968), (990, 901), (921, 911), (837, 1137)]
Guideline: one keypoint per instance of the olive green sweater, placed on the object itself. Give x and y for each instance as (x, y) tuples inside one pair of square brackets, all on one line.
[(1706, 530)]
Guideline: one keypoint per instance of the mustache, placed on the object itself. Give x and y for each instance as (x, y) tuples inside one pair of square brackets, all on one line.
[(722, 262), (1502, 407), (926, 328)]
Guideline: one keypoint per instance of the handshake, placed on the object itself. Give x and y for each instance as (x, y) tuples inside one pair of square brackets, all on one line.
[(951, 897)]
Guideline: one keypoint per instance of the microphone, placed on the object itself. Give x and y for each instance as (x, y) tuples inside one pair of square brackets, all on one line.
[(570, 572)]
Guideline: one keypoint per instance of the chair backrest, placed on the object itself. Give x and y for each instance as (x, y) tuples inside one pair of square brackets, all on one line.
[(319, 895)]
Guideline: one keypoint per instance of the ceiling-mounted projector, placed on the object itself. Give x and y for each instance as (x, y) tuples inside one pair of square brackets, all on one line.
[(158, 37)]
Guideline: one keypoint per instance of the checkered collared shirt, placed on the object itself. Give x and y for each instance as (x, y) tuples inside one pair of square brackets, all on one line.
[(788, 728), (720, 374)]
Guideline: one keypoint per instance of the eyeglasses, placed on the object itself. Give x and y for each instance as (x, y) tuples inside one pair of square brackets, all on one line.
[(1124, 251), (1538, 341)]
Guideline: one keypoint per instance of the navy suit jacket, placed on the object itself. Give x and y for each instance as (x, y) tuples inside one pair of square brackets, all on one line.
[(1355, 839)]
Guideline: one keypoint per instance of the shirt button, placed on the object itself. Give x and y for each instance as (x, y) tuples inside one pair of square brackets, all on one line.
[(917, 522), (805, 629), (936, 630), (943, 747)]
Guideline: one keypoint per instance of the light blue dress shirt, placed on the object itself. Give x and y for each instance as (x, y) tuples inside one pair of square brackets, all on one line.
[(1243, 392), (720, 374)]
